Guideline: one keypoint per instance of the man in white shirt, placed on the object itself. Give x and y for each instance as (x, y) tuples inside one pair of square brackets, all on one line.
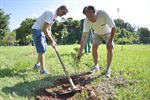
[(42, 28), (104, 28)]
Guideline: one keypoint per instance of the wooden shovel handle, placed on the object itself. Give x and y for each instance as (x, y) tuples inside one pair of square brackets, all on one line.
[(65, 70)]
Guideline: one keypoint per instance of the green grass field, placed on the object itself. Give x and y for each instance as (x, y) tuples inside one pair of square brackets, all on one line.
[(18, 80)]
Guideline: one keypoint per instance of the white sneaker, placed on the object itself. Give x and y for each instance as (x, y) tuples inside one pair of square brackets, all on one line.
[(94, 69), (108, 72), (44, 72), (36, 66)]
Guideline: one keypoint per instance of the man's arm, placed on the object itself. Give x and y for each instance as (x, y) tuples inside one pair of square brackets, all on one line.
[(47, 31), (112, 34), (109, 43), (82, 43)]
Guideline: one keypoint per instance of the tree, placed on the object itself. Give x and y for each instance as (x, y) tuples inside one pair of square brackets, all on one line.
[(128, 27), (144, 35), (74, 30), (23, 32), (4, 22), (68, 31), (123, 25), (119, 23), (59, 31), (9, 38), (125, 33)]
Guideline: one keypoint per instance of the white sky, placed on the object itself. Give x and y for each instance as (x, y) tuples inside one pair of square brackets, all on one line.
[(136, 12)]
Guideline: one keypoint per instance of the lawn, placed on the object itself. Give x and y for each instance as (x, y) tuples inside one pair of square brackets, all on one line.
[(130, 71)]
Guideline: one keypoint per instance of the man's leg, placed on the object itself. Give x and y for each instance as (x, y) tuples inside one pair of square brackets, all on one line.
[(95, 58), (35, 33), (41, 59), (95, 44), (109, 57), (38, 59), (41, 46), (95, 53), (109, 60)]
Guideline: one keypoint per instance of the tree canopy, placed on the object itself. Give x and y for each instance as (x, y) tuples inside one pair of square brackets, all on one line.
[(68, 31), (4, 23)]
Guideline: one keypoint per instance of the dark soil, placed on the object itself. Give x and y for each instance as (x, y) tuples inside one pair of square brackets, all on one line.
[(61, 89)]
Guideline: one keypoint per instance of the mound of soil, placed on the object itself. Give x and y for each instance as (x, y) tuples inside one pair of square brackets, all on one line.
[(61, 88)]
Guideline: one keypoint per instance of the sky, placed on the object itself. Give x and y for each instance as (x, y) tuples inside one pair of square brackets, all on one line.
[(135, 12)]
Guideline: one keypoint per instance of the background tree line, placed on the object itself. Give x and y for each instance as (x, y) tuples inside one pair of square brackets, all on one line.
[(67, 31)]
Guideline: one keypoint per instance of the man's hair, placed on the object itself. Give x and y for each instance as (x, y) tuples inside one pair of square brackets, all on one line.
[(63, 7), (91, 8)]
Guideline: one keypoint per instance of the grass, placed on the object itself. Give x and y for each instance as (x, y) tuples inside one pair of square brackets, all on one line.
[(19, 81)]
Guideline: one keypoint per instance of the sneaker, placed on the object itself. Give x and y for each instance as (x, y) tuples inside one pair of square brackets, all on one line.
[(36, 66), (94, 69), (108, 72), (44, 71)]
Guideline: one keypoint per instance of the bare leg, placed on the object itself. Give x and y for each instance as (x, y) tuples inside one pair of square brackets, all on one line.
[(109, 57), (41, 59), (95, 53), (95, 58), (38, 60)]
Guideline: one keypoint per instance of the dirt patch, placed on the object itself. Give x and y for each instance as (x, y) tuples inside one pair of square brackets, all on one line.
[(103, 91)]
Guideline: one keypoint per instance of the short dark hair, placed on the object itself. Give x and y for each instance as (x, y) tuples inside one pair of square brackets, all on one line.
[(86, 8), (63, 7)]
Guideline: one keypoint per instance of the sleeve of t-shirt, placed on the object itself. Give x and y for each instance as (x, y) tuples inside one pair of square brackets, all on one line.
[(48, 17), (109, 21), (86, 25)]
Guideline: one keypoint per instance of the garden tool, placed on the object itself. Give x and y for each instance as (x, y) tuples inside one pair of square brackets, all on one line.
[(73, 87)]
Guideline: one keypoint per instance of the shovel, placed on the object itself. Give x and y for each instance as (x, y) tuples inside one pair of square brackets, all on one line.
[(73, 87)]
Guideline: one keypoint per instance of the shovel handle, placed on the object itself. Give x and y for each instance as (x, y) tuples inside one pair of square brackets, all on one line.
[(65, 70)]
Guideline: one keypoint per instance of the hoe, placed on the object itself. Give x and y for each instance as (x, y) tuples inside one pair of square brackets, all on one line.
[(73, 87)]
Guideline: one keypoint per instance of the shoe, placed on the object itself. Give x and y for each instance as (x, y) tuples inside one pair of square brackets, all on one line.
[(44, 71), (36, 66), (108, 72), (94, 69)]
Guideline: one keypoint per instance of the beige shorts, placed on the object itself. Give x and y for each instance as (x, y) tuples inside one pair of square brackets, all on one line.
[(97, 39)]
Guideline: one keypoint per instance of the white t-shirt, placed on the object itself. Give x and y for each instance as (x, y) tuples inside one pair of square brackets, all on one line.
[(48, 16), (102, 25)]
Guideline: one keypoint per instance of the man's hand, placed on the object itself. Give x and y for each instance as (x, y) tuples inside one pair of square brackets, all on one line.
[(53, 44), (82, 44), (109, 45), (79, 57)]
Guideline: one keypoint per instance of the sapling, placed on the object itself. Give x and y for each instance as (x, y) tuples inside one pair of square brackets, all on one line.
[(75, 63)]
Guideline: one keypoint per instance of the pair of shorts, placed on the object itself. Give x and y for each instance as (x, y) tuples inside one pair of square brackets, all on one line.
[(97, 39), (39, 40)]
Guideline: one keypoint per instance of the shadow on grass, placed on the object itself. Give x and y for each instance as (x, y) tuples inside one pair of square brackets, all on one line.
[(28, 89), (7, 72)]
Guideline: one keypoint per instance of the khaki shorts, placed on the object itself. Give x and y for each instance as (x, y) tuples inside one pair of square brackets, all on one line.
[(97, 39)]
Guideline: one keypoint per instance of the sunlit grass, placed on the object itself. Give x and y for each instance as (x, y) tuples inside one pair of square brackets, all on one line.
[(18, 79)]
